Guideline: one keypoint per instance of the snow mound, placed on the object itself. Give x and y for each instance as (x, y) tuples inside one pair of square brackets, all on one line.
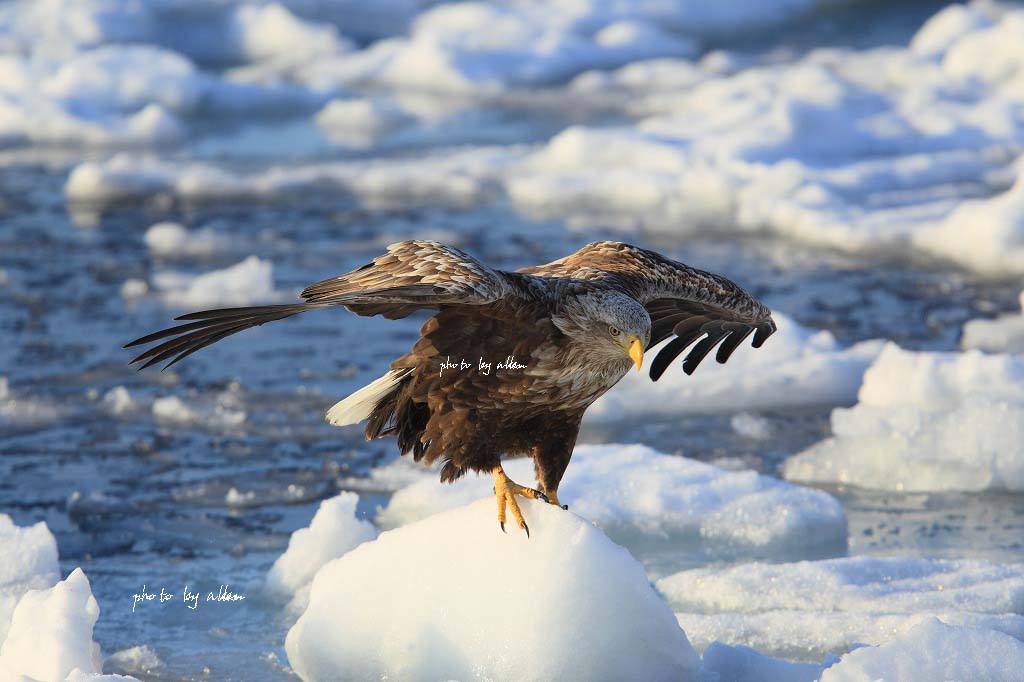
[(632, 490), (926, 421), (1002, 335), (28, 561), (334, 531), (248, 282), (933, 651), (796, 368), (806, 609), (51, 633), (452, 597)]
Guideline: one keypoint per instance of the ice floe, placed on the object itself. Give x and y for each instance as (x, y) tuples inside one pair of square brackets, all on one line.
[(173, 240), (452, 597), (1004, 334), (21, 409), (224, 413), (50, 636), (932, 651), (333, 532), (926, 421), (803, 610), (248, 282), (639, 495), (797, 368), (28, 561)]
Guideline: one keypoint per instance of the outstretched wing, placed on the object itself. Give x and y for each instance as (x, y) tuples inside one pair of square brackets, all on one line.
[(683, 302), (411, 275)]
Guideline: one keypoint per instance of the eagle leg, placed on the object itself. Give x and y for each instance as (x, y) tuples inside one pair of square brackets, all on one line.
[(505, 491)]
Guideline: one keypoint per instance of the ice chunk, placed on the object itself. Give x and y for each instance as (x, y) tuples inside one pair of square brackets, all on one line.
[(933, 651), (246, 283), (797, 367), (141, 659), (20, 409), (173, 410), (118, 401), (808, 608), (452, 597), (743, 664), (334, 531), (1002, 335), (682, 500), (173, 240), (926, 421), (456, 177), (885, 584), (133, 289), (51, 632), (28, 561), (360, 122)]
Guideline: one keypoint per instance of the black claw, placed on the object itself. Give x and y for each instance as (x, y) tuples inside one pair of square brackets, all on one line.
[(527, 529), (502, 524), (565, 507), (541, 496)]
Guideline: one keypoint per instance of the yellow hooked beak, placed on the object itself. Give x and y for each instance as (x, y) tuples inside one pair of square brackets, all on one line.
[(636, 351)]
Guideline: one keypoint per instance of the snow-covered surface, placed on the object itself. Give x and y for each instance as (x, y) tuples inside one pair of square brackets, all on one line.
[(1004, 334), (933, 651), (804, 609), (249, 282), (334, 531), (452, 597), (926, 421), (632, 490), (28, 561), (743, 664), (51, 633), (796, 368)]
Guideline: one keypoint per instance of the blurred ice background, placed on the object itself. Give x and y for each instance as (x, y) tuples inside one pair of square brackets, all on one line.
[(857, 165)]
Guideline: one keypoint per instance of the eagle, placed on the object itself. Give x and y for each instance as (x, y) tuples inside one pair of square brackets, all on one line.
[(562, 334)]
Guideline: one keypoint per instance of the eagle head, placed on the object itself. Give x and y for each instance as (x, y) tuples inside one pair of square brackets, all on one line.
[(607, 326)]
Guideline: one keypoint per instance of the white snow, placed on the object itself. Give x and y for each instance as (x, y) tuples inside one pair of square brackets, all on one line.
[(796, 368), (18, 408), (926, 421), (459, 178), (28, 561), (637, 495), (51, 632), (333, 532), (1004, 334), (221, 415), (743, 664), (805, 609), (248, 282), (140, 659), (452, 597), (173, 240), (133, 289), (932, 651), (118, 401)]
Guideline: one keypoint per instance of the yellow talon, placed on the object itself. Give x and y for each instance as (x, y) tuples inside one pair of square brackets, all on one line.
[(505, 491)]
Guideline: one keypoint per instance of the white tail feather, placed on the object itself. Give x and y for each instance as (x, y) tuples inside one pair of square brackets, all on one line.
[(360, 404)]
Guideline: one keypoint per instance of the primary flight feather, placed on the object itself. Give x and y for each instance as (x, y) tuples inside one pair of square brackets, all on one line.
[(574, 327)]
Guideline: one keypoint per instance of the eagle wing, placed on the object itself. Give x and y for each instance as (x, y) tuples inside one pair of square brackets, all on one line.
[(411, 275), (683, 302)]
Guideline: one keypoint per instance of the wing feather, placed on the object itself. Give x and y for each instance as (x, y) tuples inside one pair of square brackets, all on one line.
[(682, 301)]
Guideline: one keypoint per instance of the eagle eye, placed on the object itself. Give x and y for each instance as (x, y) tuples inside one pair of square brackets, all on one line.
[(613, 331)]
